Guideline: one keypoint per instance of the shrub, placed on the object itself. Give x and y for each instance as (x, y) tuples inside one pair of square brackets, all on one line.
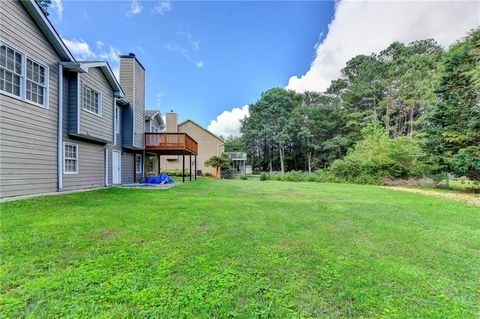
[(264, 176), (243, 177), (377, 157), (208, 174), (176, 173)]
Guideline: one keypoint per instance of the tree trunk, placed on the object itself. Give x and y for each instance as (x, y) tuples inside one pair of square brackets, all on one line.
[(282, 165), (309, 160), (411, 121)]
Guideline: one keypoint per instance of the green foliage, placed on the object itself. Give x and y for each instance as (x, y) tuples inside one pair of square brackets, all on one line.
[(176, 173), (234, 144), (222, 162), (243, 177), (377, 157), (454, 123), (264, 176), (467, 162), (208, 174), (44, 4)]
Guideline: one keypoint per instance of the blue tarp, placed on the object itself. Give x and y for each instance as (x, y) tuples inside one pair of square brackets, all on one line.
[(162, 178)]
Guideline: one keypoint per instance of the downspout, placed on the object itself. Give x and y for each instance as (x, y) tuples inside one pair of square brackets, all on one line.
[(60, 129)]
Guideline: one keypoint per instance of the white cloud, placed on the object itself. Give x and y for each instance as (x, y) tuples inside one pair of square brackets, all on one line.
[(363, 27), (228, 123), (135, 8), (185, 53), (163, 7), (79, 48), (158, 98), (57, 5)]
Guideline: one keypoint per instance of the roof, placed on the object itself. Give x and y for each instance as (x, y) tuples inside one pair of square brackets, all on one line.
[(48, 30), (83, 66), (184, 122), (150, 114)]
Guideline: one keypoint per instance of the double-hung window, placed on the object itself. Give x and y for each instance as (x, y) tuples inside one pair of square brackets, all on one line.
[(36, 82), (11, 71), (91, 100), (70, 158), (22, 77)]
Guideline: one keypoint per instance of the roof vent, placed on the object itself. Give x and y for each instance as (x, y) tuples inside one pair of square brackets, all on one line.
[(131, 54)]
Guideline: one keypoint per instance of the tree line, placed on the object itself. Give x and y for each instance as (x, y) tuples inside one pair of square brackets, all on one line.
[(426, 97)]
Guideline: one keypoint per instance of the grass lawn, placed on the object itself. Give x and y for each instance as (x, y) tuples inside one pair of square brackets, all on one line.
[(240, 249)]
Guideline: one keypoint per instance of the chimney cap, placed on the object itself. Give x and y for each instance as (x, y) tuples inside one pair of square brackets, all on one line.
[(171, 111)]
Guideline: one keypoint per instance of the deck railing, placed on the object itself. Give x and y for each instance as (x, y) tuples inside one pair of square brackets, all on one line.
[(171, 142)]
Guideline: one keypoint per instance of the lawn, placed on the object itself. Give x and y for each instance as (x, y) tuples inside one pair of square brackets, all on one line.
[(240, 249)]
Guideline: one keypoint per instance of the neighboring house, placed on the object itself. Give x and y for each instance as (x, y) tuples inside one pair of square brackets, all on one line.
[(153, 124), (64, 124), (208, 144)]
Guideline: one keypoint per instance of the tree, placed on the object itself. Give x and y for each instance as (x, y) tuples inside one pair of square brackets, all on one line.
[(220, 163), (234, 144), (44, 4), (267, 128), (452, 136)]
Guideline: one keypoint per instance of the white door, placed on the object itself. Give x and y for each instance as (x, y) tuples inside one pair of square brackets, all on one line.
[(116, 168)]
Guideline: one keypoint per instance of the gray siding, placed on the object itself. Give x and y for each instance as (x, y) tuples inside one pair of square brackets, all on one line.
[(91, 124), (91, 167), (28, 133), (126, 81), (70, 100), (127, 127), (127, 167)]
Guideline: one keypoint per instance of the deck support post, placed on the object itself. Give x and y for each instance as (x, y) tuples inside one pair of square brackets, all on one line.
[(190, 159), (159, 164), (183, 167), (195, 167)]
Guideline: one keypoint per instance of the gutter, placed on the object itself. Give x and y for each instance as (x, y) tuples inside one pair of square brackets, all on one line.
[(60, 129)]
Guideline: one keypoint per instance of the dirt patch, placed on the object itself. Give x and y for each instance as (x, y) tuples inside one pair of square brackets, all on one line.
[(467, 198)]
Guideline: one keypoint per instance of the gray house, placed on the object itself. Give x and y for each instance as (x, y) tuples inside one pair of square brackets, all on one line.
[(64, 124)]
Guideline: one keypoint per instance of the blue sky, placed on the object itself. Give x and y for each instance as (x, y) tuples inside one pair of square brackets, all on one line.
[(201, 58), (209, 60)]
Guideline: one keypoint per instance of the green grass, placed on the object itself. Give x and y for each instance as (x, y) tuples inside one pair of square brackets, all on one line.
[(240, 249)]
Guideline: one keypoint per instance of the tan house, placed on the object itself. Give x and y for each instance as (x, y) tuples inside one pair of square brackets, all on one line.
[(208, 144)]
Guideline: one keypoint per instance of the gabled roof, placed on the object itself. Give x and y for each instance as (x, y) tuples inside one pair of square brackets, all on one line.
[(48, 30), (150, 114), (196, 124), (83, 66)]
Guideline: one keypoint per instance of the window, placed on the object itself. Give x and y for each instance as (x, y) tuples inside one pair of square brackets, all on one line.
[(151, 164), (138, 163), (36, 82), (117, 120), (11, 70), (22, 77), (91, 101), (70, 158)]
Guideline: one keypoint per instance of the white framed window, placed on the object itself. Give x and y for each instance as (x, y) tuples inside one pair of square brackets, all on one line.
[(36, 82), (117, 120), (138, 163), (70, 158), (22, 77), (91, 100)]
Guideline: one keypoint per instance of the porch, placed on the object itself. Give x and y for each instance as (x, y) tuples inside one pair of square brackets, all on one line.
[(179, 144)]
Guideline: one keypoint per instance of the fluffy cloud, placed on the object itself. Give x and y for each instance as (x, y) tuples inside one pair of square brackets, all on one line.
[(80, 49), (135, 8), (228, 123), (163, 7), (363, 27), (57, 5)]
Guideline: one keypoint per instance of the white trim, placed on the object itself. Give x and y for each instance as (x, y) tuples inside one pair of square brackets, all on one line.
[(23, 79), (76, 154), (99, 100), (60, 128)]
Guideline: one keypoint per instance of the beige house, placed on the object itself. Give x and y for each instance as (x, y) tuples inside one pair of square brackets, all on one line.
[(208, 145)]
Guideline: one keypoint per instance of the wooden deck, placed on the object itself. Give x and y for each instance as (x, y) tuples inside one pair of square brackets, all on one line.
[(171, 143)]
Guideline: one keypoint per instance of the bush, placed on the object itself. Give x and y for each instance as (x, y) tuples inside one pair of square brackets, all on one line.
[(376, 158), (264, 176), (243, 177), (176, 173), (208, 174)]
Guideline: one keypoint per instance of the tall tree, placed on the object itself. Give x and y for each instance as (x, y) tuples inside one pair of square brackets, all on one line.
[(453, 131)]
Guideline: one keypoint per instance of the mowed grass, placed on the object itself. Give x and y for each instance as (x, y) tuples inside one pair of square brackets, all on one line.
[(240, 249)]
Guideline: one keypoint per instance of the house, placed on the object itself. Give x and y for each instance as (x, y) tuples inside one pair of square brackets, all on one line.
[(153, 123), (67, 124), (208, 144)]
